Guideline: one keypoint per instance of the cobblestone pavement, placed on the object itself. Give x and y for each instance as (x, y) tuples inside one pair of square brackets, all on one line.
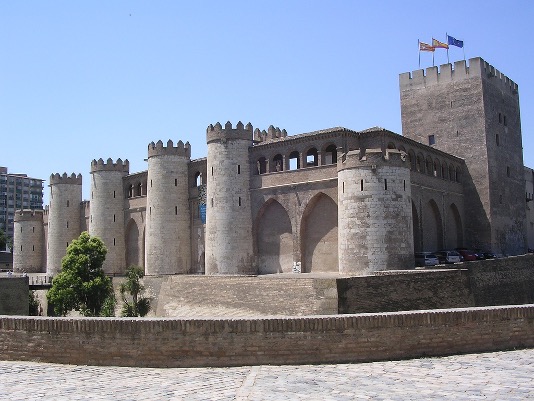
[(490, 376)]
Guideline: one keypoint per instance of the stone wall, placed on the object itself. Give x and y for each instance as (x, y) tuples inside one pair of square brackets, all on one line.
[(507, 281), (295, 340), (14, 296)]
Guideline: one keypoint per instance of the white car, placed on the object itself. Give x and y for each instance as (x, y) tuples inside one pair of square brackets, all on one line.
[(426, 259)]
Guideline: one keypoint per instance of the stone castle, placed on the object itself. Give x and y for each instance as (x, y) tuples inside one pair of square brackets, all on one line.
[(335, 200)]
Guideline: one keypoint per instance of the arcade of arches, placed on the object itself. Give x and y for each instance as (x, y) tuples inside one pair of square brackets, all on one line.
[(313, 239)]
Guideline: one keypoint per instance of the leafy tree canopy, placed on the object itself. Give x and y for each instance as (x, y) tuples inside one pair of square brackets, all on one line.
[(82, 285)]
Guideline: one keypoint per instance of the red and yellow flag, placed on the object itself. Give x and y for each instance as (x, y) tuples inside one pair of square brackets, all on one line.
[(425, 47), (436, 44)]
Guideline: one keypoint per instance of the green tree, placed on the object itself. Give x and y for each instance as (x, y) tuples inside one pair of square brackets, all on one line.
[(3, 240), (82, 285), (34, 305), (135, 304)]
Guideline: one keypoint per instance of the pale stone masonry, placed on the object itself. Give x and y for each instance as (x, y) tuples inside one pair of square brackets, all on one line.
[(334, 200)]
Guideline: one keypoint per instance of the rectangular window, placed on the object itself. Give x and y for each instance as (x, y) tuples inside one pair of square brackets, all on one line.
[(497, 139), (500, 118), (175, 182), (238, 169), (385, 184), (431, 140), (504, 121)]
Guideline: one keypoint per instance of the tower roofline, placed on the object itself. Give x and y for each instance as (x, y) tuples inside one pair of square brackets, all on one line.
[(476, 67)]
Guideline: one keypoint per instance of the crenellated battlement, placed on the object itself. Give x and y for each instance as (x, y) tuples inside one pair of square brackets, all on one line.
[(109, 165), (372, 158), (157, 149), (65, 179), (217, 132), (272, 134), (29, 215), (477, 67)]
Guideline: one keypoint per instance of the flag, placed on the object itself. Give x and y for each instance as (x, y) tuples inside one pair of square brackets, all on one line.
[(436, 44), (455, 42), (425, 47)]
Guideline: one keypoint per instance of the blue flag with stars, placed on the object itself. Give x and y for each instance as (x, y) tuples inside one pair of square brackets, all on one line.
[(455, 42)]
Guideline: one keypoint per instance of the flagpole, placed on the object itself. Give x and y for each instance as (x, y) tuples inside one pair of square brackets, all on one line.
[(433, 58), (419, 47), (447, 41)]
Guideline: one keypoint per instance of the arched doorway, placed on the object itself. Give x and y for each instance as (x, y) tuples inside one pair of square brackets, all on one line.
[(417, 238)]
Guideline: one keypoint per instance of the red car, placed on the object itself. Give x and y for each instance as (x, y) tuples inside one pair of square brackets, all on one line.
[(467, 254)]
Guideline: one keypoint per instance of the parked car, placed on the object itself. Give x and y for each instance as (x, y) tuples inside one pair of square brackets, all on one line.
[(426, 259), (467, 254), (445, 256), (489, 255)]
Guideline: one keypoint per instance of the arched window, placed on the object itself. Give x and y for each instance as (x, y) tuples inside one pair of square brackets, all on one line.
[(452, 174), (294, 160), (312, 158), (330, 156), (130, 191), (139, 188), (457, 178), (391, 145), (412, 160), (262, 165), (198, 179), (278, 163), (420, 163), (437, 168), (429, 166)]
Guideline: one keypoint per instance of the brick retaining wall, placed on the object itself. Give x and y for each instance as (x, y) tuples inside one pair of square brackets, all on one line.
[(255, 341)]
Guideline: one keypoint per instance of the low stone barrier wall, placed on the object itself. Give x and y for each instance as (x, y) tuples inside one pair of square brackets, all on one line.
[(14, 299), (255, 341)]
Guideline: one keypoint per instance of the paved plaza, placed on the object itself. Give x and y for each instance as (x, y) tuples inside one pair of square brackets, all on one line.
[(489, 376)]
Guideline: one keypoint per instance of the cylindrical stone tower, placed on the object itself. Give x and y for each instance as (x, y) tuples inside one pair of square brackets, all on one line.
[(168, 234), (375, 212), (228, 211), (28, 242), (63, 218), (106, 220)]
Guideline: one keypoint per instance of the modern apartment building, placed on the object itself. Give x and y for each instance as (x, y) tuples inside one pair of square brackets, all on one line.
[(17, 191)]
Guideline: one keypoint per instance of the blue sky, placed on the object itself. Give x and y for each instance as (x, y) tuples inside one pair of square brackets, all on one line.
[(82, 80)]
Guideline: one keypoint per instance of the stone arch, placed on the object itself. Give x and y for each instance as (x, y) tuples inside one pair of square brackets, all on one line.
[(437, 168), (444, 170), (413, 160), (294, 160), (452, 175), (273, 239), (432, 227), (391, 145), (454, 228), (457, 175), (278, 163), (330, 154), (312, 157), (429, 166), (319, 236), (198, 179), (133, 254), (261, 165), (417, 235), (420, 164)]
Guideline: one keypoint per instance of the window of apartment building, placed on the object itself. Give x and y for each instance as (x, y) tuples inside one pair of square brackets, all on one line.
[(431, 140)]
